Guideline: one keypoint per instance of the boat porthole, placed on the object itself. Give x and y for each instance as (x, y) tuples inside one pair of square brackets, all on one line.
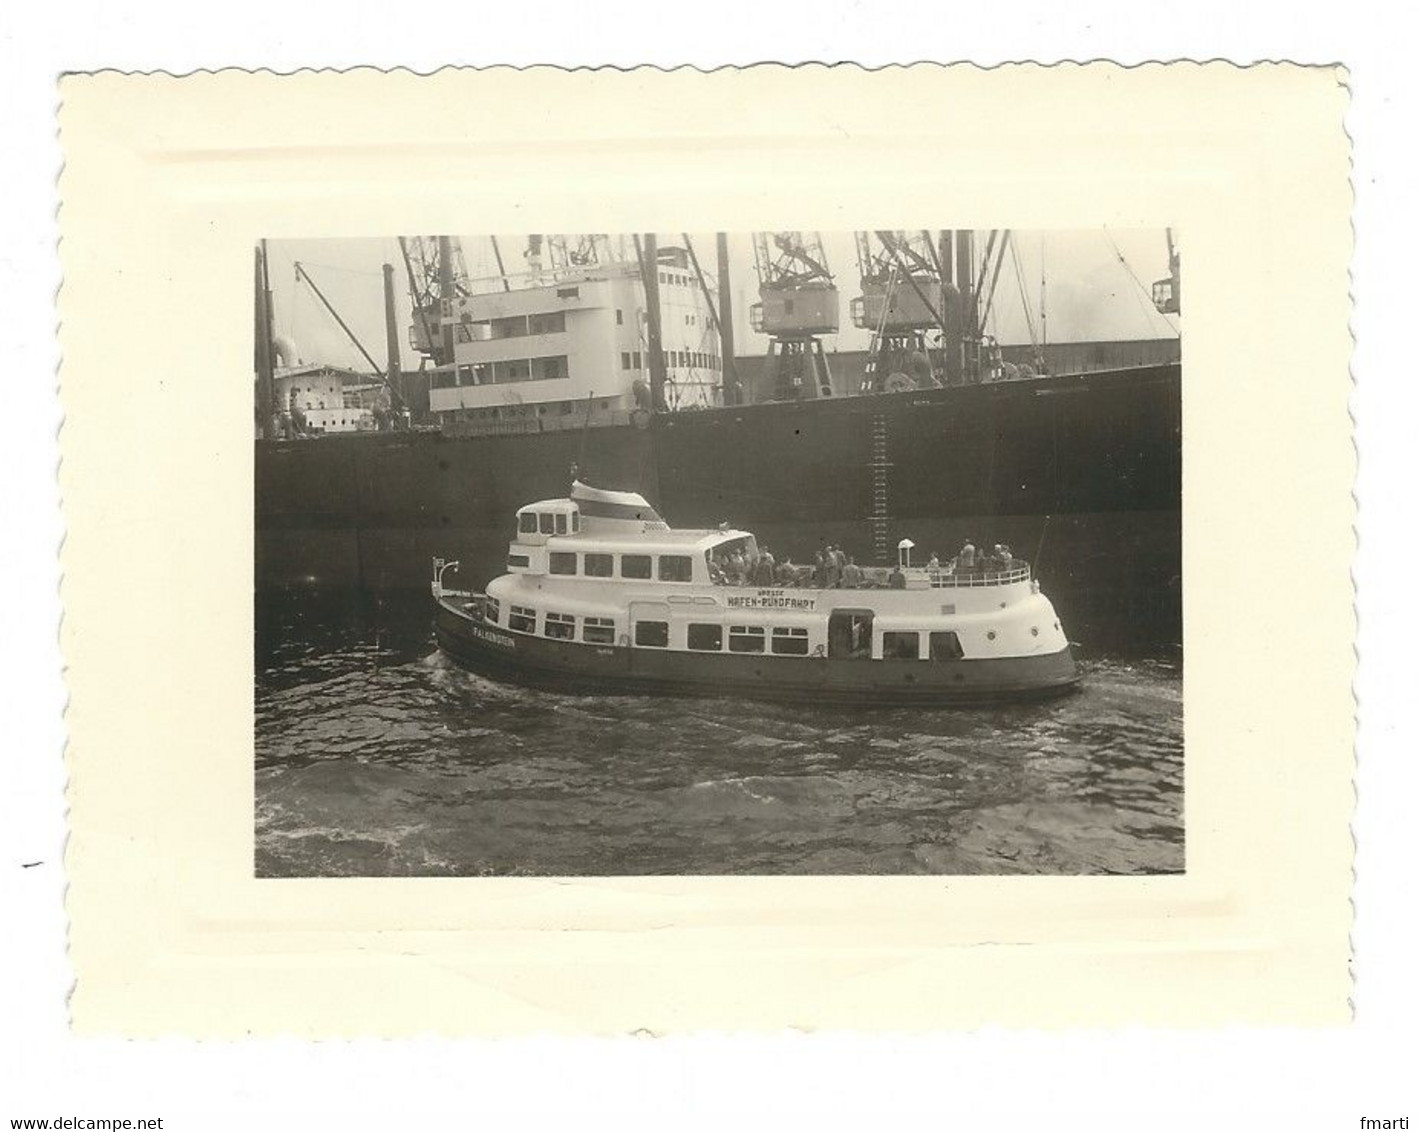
[(990, 636), (1002, 605), (1034, 630)]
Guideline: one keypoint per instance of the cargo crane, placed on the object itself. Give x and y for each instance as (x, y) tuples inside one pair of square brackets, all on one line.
[(1167, 293), (436, 272), (905, 296), (573, 253), (798, 303)]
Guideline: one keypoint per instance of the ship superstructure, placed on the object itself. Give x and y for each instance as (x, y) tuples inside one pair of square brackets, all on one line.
[(571, 339)]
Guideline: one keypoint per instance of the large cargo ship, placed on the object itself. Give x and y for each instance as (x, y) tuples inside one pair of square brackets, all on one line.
[(1081, 473)]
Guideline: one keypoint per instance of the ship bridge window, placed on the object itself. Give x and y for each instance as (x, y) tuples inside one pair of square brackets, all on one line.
[(576, 521), (551, 322), (946, 646), (491, 610), (560, 562), (653, 634), (521, 619), (598, 631), (527, 523), (674, 567), (790, 642), (635, 565), (561, 523), (746, 638), (545, 522), (901, 646), (705, 638), (597, 565), (560, 626), (519, 560)]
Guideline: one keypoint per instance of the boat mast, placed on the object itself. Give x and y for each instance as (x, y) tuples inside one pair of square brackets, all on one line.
[(734, 395), (648, 255), (716, 316), (969, 328), (265, 362), (445, 356), (394, 374)]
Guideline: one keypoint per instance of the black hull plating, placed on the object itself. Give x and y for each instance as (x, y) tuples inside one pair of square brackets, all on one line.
[(1081, 474)]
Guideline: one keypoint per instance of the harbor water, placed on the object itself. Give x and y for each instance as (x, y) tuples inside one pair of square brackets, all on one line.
[(376, 756)]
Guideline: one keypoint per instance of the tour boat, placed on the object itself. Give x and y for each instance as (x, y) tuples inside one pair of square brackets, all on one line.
[(602, 596)]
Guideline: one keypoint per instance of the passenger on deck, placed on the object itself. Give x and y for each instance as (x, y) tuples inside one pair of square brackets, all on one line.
[(786, 572), (933, 563), (852, 574), (736, 568), (966, 560), (764, 572), (832, 573), (896, 579)]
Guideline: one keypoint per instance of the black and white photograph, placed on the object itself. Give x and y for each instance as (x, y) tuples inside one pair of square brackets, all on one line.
[(800, 553)]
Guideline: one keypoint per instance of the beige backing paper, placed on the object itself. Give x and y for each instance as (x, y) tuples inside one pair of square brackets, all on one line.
[(169, 182)]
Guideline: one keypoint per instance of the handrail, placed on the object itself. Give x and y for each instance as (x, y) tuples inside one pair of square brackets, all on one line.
[(1017, 571)]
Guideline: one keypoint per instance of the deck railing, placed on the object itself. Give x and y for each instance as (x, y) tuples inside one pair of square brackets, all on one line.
[(1017, 571)]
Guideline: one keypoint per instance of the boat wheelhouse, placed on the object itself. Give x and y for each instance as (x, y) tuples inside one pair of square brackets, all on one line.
[(601, 595)]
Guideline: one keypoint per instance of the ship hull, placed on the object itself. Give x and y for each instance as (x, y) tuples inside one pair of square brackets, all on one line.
[(1080, 474), (623, 670)]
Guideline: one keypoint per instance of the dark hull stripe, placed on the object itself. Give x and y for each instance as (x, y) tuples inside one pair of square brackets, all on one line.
[(575, 667)]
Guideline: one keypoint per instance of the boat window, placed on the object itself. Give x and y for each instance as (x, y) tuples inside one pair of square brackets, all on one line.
[(521, 619), (561, 524), (518, 560), (576, 522), (674, 567), (560, 562), (946, 646), (527, 523), (901, 646), (625, 359), (491, 610), (653, 634), (790, 642), (597, 565), (544, 522), (635, 565), (598, 631), (561, 626), (746, 638), (705, 638)]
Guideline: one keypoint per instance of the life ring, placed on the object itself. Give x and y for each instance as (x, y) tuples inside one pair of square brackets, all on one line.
[(898, 383)]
